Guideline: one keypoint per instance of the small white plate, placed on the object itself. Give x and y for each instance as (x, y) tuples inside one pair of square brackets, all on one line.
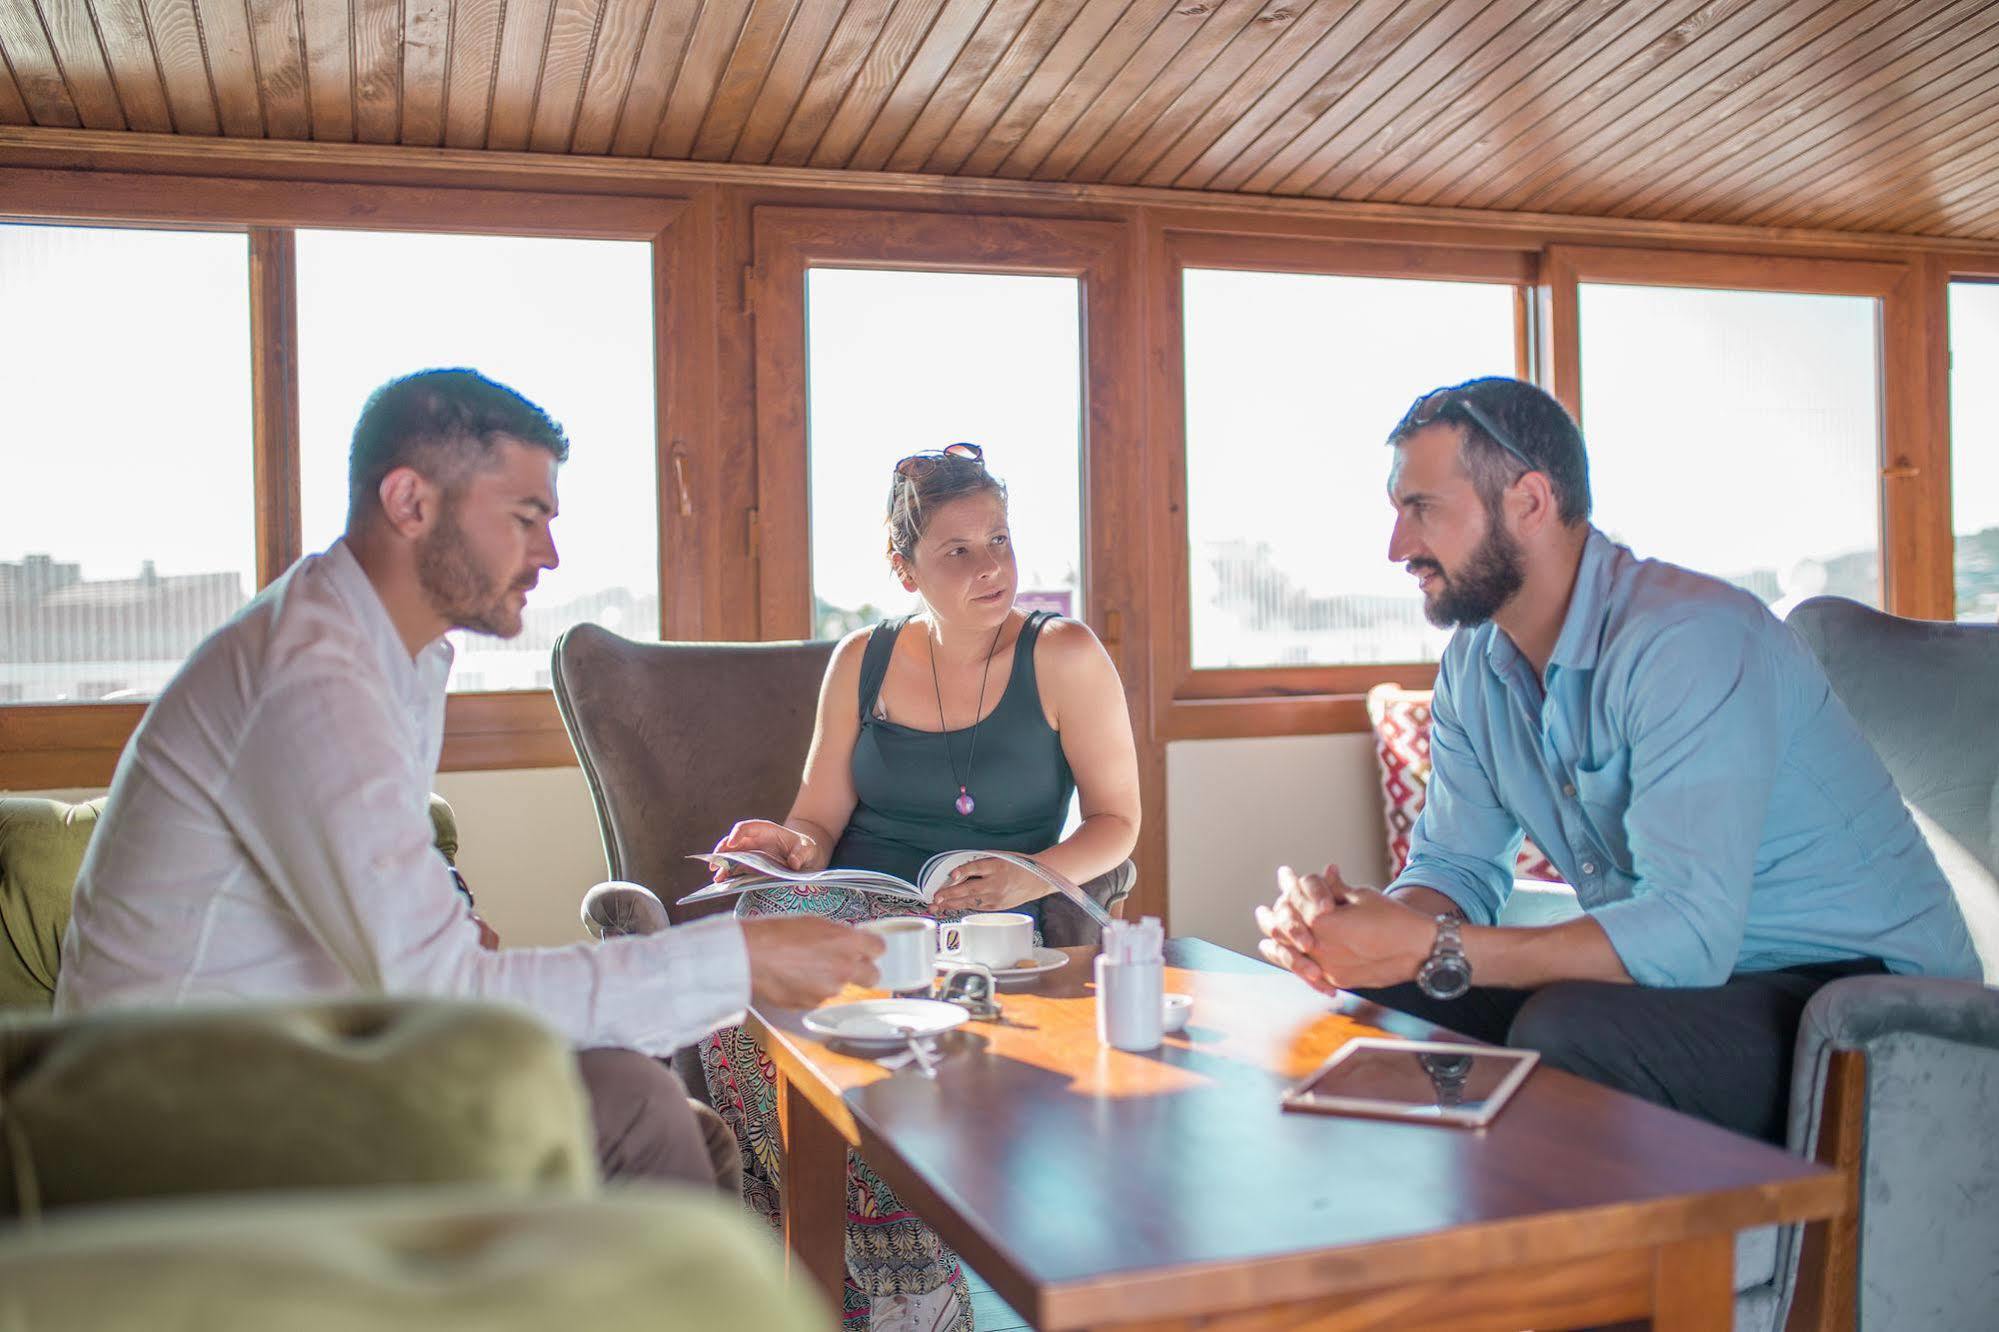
[(1045, 959), (875, 1021)]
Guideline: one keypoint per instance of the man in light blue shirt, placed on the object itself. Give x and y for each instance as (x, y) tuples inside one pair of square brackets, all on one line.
[(1673, 748)]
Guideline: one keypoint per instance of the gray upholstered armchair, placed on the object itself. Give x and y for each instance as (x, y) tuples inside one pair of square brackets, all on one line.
[(679, 740), (1902, 1073)]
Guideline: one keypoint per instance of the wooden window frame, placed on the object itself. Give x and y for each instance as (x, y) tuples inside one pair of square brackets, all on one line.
[(53, 745), (1221, 702), (1913, 492)]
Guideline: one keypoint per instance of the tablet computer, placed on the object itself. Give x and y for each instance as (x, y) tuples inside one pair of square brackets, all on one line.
[(1425, 1082)]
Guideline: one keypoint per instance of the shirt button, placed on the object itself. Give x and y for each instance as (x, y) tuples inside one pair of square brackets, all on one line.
[(1589, 867), (1569, 790)]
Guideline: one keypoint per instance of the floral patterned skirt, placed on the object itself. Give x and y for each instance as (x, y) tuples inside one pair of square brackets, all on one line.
[(889, 1249)]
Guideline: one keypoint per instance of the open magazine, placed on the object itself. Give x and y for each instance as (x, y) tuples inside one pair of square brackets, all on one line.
[(765, 872)]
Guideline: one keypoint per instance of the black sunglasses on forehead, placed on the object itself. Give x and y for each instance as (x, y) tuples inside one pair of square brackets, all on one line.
[(917, 465), (1431, 406)]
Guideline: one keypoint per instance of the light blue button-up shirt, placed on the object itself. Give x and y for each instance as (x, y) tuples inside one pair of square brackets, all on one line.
[(1688, 769)]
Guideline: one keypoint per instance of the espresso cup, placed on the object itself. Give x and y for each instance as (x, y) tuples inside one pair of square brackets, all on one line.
[(996, 939), (909, 951)]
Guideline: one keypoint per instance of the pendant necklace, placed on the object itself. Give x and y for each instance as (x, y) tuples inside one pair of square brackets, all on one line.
[(965, 804)]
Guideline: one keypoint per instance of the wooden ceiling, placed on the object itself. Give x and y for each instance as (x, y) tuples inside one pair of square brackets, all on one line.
[(1859, 115)]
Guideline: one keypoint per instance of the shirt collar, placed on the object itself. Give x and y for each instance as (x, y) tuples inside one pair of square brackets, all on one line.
[(1582, 625), (414, 678)]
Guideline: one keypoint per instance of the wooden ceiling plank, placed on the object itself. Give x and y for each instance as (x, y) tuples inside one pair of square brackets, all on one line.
[(714, 39), (468, 81), (329, 70), (1668, 75), (1758, 109), (1918, 189), (1897, 142), (1446, 52), (232, 67), (957, 23), (1181, 29), (13, 109), (621, 35), (1085, 32), (1543, 81), (812, 27), (846, 51), (900, 39), (977, 60), (135, 70), (1214, 47), (743, 79), (281, 72), (1497, 144), (1756, 155), (572, 47), (1814, 49), (653, 73), (72, 37), (378, 70), (1113, 55), (426, 72), (1009, 74), (1554, 47), (183, 69), (1965, 210), (1310, 43), (36, 71), (1928, 71), (524, 29)]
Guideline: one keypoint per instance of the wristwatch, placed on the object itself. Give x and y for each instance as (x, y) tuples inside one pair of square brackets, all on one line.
[(1447, 1076), (1446, 973)]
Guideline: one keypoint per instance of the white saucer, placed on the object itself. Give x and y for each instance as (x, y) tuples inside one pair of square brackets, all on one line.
[(1045, 959), (873, 1021)]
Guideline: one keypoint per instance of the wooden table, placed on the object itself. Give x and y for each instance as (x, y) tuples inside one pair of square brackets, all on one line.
[(1097, 1188)]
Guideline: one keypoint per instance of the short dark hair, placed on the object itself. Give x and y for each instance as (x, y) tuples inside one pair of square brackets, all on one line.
[(444, 423), (1535, 424)]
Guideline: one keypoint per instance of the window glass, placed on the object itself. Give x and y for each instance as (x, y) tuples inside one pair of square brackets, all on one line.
[(1737, 432), (1294, 381), (900, 362), (1974, 446), (126, 455), (567, 323)]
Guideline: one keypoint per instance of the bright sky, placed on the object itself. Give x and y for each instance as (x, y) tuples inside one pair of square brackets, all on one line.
[(1974, 405)]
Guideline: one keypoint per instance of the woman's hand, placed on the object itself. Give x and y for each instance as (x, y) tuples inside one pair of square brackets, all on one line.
[(988, 884), (785, 845)]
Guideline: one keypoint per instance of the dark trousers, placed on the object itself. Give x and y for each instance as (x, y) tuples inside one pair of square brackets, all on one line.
[(1722, 1053), (648, 1128)]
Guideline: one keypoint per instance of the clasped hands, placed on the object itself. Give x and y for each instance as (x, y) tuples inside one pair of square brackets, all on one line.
[(1334, 935)]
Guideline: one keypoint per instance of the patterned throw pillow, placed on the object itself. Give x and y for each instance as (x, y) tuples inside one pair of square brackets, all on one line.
[(1401, 720)]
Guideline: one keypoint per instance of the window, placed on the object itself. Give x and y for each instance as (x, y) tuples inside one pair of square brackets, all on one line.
[(1974, 456), (904, 361), (1738, 433), (126, 454), (1293, 382), (568, 323)]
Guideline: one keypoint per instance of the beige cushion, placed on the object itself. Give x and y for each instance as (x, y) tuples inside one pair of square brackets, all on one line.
[(431, 1259), (346, 1094)]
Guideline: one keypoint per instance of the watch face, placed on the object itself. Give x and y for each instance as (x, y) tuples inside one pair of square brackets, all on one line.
[(1444, 978)]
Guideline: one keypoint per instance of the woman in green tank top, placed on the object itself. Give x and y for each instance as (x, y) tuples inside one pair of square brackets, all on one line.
[(965, 726)]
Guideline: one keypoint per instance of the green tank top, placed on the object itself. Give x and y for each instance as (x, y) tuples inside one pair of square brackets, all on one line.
[(906, 791)]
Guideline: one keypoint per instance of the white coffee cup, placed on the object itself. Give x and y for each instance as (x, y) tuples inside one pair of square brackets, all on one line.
[(909, 951), (996, 939)]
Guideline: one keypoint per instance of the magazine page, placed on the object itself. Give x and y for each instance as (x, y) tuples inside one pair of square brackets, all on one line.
[(767, 872), (939, 867)]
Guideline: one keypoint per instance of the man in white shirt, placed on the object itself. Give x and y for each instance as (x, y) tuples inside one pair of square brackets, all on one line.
[(267, 834)]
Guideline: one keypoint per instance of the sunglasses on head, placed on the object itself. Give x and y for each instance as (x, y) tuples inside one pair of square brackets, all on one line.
[(1440, 404), (917, 465)]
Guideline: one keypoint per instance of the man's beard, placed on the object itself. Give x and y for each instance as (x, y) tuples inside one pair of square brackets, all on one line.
[(460, 590), (1488, 580)]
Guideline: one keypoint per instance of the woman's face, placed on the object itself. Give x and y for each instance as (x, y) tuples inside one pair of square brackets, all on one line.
[(963, 566)]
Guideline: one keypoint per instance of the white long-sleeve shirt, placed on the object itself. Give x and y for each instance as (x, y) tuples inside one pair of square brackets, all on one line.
[(268, 836)]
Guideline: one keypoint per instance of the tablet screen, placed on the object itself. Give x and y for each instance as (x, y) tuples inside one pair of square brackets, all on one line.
[(1464, 1084)]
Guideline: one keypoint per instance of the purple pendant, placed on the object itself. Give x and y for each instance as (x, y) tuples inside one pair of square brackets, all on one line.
[(964, 802)]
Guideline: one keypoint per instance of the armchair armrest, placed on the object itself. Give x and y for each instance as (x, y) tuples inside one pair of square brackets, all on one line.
[(1855, 1012), (348, 1094), (1063, 924)]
